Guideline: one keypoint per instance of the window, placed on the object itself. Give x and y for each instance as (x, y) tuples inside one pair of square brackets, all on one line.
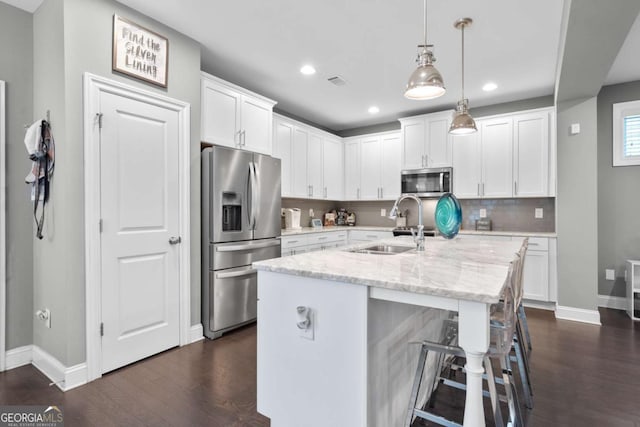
[(626, 133)]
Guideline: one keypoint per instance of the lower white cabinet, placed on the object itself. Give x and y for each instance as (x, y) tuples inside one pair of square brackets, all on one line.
[(539, 276), (356, 236), (301, 243)]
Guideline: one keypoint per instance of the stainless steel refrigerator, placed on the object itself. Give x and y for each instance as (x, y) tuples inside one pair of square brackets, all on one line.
[(240, 225)]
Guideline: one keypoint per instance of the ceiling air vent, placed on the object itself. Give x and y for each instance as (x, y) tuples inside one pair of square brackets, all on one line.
[(337, 80)]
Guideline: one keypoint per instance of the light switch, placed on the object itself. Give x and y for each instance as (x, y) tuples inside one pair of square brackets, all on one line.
[(539, 213), (610, 274), (575, 129), (483, 213)]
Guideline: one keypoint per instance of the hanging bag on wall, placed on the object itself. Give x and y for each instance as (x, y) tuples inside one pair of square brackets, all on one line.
[(41, 148)]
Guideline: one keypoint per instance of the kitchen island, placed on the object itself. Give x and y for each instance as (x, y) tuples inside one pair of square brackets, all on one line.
[(335, 327)]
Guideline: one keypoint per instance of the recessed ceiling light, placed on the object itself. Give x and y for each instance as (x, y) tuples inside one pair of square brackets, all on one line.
[(488, 87), (307, 70), (373, 110)]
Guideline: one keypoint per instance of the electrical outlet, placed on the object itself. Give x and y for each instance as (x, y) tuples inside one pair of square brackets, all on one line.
[(610, 274), (311, 213), (539, 213), (383, 212), (45, 316), (306, 322), (483, 213)]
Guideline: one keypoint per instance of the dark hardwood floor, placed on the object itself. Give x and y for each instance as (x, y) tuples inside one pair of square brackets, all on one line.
[(583, 375)]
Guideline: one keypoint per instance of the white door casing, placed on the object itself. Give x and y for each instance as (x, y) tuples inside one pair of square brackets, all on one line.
[(3, 214), (146, 264)]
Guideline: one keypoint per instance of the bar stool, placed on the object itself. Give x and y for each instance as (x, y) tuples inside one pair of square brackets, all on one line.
[(502, 331)]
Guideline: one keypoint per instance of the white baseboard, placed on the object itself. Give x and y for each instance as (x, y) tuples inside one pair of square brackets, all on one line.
[(63, 377), (542, 305), (196, 333), (618, 303), (578, 315), (17, 357)]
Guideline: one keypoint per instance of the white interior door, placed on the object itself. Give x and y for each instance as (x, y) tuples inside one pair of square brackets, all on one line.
[(139, 196)]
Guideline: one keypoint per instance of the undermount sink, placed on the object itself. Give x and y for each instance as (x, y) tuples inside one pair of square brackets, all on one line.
[(382, 249)]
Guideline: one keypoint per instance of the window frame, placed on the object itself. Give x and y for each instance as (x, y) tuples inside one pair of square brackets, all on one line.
[(620, 111)]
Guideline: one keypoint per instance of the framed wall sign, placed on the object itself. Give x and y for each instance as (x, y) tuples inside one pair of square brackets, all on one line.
[(139, 52)]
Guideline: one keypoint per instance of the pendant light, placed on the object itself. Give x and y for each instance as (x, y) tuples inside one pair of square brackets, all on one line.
[(462, 122), (425, 82)]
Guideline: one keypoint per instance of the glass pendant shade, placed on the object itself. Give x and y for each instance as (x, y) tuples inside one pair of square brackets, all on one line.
[(425, 82), (462, 122)]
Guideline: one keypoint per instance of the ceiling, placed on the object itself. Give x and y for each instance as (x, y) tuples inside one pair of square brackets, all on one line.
[(372, 45)]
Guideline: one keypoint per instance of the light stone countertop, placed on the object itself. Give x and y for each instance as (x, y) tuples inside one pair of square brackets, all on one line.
[(468, 269), (308, 230), (510, 233)]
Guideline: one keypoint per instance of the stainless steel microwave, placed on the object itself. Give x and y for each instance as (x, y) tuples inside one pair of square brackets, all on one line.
[(429, 182)]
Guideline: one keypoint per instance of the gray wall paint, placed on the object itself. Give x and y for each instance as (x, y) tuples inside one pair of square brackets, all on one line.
[(54, 257), (577, 205), (86, 46), (618, 197), (16, 69)]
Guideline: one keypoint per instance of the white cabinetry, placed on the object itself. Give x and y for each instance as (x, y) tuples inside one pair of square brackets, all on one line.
[(511, 155), (426, 141), (633, 289), (372, 167), (319, 241), (235, 117), (356, 236), (311, 160)]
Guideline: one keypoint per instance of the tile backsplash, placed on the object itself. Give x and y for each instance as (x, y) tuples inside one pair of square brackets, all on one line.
[(505, 214)]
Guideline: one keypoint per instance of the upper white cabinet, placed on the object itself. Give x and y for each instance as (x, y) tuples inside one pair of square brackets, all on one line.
[(311, 160), (531, 149), (426, 142), (510, 156), (372, 167), (235, 117)]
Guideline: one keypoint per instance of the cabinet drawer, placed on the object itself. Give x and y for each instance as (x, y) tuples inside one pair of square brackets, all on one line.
[(369, 235), (293, 241), (320, 238), (538, 244)]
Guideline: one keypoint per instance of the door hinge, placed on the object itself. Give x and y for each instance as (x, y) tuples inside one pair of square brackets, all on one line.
[(100, 224), (99, 116), (101, 329)]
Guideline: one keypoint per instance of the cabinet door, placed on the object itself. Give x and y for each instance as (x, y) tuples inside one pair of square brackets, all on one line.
[(256, 121), (438, 141), (282, 145), (413, 143), (531, 155), (352, 170), (370, 163), (535, 276), (333, 169), (314, 166), (299, 187), (497, 159), (220, 114), (390, 167), (466, 165)]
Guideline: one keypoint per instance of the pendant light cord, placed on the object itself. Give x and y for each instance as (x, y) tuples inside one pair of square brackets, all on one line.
[(425, 24), (462, 29)]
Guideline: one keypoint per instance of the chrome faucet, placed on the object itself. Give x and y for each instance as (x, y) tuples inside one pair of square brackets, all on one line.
[(418, 236)]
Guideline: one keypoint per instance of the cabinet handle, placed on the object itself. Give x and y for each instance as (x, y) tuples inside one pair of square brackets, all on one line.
[(382, 192), (239, 143), (483, 189), (325, 192), (422, 160), (515, 188), (426, 160), (478, 189), (244, 137), (357, 193)]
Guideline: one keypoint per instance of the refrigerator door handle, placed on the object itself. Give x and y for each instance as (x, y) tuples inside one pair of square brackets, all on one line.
[(247, 247), (253, 189), (242, 273), (257, 191)]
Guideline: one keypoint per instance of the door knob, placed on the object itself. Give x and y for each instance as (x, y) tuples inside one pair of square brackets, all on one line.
[(175, 240)]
